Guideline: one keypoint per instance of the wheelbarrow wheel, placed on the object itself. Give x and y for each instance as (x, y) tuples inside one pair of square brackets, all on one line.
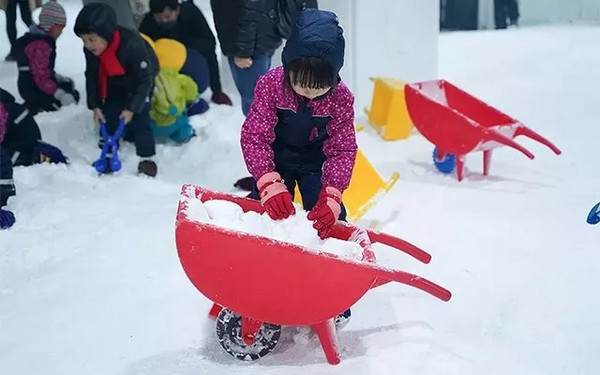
[(229, 333), (445, 165)]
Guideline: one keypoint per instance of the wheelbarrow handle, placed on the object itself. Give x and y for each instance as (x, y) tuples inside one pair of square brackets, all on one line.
[(343, 231), (525, 131), (120, 129), (415, 281), (112, 139), (400, 244)]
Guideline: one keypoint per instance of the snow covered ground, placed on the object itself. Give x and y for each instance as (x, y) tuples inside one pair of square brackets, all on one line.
[(90, 282)]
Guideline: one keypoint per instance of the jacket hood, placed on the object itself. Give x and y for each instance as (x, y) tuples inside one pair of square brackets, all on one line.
[(316, 33)]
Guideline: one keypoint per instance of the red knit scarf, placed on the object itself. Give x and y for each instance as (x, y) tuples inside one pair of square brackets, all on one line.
[(109, 64)]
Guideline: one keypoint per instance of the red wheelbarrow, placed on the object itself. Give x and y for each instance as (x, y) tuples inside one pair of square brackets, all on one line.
[(259, 284), (458, 123)]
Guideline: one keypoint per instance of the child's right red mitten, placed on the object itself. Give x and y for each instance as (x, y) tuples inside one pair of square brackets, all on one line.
[(327, 210), (275, 197)]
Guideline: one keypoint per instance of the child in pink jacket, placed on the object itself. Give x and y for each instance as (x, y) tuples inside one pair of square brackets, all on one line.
[(35, 53), (300, 127)]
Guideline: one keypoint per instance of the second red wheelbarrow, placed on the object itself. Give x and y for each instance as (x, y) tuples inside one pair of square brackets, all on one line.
[(259, 284), (457, 123)]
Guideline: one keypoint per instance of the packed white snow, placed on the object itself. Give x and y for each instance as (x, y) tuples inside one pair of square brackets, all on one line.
[(296, 229)]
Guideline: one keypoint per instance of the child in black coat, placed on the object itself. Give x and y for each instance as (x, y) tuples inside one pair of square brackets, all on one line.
[(120, 71)]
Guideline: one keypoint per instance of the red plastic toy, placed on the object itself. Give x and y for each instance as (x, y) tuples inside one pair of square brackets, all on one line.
[(259, 284), (458, 123)]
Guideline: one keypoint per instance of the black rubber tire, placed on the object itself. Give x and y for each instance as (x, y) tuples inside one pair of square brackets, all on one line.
[(229, 334)]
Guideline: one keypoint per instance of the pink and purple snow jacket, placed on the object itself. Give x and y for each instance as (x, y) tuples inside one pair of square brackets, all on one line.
[(35, 53), (292, 135)]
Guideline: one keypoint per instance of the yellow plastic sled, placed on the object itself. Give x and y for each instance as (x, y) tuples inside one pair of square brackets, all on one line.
[(366, 187), (388, 113)]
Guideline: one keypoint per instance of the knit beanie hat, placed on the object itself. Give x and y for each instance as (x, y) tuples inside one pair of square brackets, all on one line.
[(52, 13)]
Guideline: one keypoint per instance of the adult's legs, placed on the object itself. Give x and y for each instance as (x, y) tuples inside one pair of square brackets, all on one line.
[(500, 14), (245, 79), (25, 12), (512, 11), (11, 21)]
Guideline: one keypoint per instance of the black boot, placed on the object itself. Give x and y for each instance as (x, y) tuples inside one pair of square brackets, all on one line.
[(147, 167)]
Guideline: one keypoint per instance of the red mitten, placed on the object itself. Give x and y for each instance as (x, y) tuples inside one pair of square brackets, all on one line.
[(275, 197), (327, 210)]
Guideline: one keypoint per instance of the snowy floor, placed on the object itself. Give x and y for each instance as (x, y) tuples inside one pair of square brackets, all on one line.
[(90, 282)]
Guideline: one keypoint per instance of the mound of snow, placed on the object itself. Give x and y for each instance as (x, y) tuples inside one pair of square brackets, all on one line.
[(296, 229)]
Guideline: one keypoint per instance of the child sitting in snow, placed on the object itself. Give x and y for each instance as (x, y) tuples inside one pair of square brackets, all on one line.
[(35, 53), (120, 71), (300, 127), (173, 92), (173, 54)]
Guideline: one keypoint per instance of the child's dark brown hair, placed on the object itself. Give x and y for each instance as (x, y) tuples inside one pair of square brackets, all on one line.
[(311, 72)]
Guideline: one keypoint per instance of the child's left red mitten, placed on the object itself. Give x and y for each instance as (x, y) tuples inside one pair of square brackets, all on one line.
[(327, 210)]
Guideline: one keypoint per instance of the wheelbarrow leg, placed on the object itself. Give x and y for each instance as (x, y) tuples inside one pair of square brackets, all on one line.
[(460, 164), (487, 158), (214, 311), (326, 332), (250, 328)]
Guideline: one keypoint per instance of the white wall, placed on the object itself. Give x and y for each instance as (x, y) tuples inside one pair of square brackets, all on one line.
[(387, 38), (535, 12)]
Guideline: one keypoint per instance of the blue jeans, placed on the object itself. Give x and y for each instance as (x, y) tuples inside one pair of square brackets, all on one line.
[(245, 79)]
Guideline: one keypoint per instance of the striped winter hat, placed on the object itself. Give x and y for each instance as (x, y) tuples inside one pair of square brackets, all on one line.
[(52, 13)]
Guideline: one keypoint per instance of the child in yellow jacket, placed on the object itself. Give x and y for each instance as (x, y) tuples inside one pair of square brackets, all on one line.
[(173, 93)]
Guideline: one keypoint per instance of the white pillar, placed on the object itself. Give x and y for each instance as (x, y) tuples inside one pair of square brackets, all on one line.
[(386, 38), (486, 14)]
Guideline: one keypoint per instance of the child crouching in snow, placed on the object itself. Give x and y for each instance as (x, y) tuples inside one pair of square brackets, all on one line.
[(173, 54), (172, 95), (300, 127), (120, 71), (35, 53)]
